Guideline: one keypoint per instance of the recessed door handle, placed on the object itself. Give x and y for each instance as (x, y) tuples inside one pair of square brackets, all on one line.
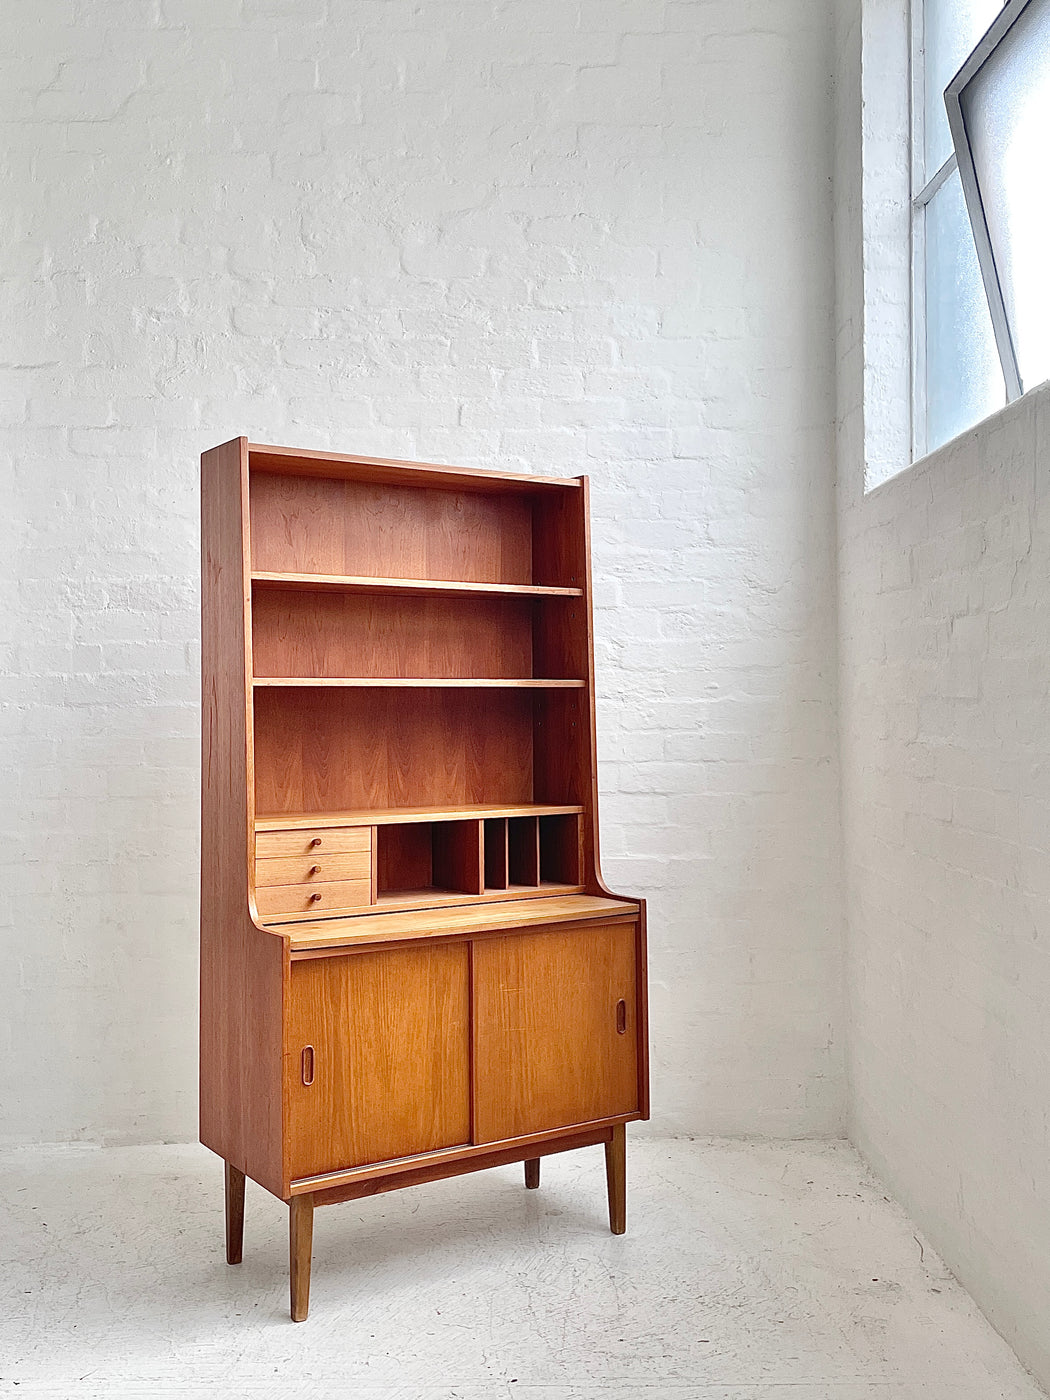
[(308, 1065), (621, 1017)]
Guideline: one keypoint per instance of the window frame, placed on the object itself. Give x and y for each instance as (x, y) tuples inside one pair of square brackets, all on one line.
[(919, 198), (953, 99)]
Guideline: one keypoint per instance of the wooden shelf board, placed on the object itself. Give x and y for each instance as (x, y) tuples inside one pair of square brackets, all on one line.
[(389, 816), (419, 682), (431, 896), (451, 921), (291, 461), (421, 587)]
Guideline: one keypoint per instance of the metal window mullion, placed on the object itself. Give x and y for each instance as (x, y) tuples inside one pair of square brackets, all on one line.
[(917, 163), (918, 331), (936, 181), (917, 95)]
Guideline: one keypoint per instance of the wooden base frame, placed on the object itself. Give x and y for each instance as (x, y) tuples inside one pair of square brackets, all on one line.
[(301, 1206)]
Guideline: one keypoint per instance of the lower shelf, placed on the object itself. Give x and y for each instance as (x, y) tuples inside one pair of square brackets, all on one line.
[(430, 896)]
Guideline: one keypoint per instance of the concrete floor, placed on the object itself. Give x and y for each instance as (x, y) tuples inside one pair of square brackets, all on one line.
[(749, 1272)]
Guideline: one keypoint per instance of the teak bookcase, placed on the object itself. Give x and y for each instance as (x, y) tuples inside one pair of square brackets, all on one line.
[(410, 966)]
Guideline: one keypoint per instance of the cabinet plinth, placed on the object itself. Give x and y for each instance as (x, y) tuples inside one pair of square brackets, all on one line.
[(410, 965)]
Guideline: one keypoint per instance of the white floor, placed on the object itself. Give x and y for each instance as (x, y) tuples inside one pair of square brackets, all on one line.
[(749, 1272)]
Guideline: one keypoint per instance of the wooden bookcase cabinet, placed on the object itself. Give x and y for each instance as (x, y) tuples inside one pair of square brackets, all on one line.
[(410, 965)]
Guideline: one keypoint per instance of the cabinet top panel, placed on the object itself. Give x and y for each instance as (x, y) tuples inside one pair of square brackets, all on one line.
[(291, 461), (452, 921)]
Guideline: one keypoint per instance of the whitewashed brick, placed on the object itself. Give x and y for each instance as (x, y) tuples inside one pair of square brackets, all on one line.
[(943, 576), (508, 238)]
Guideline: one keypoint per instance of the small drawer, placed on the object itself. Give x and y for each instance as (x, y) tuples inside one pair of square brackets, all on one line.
[(324, 840), (315, 869), (313, 899)]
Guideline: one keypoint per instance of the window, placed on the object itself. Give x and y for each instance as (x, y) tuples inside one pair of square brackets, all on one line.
[(957, 378), (999, 112)]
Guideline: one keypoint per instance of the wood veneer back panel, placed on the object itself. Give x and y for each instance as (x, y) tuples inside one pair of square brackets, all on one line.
[(320, 525), (332, 750), (302, 633)]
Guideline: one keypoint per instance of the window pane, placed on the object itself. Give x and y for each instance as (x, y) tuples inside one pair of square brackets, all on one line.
[(951, 28), (964, 382), (1006, 108)]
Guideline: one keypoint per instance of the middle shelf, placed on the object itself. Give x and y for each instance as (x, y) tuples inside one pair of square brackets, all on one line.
[(426, 682), (422, 587)]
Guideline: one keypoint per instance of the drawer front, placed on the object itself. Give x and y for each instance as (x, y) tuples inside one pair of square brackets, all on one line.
[(314, 869), (313, 900), (325, 840)]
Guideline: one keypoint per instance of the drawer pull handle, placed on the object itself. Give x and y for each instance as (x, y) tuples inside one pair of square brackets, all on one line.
[(315, 842), (315, 896), (315, 870), (308, 1065), (621, 1017)]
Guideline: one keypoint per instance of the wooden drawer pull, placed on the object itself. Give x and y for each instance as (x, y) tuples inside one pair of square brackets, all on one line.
[(308, 1065), (315, 896), (315, 870), (621, 1017), (315, 842)]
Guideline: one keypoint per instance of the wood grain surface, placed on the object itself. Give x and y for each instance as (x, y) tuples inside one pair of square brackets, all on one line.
[(242, 967), (296, 461), (360, 749), (390, 1037), (452, 921), (381, 816), (428, 587), (331, 635), (304, 524), (547, 1051)]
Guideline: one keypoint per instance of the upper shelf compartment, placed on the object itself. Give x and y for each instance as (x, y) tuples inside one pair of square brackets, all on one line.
[(420, 587), (336, 524)]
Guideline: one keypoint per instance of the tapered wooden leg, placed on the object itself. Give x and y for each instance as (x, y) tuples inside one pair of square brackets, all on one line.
[(300, 1252), (616, 1178), (532, 1173), (234, 1214)]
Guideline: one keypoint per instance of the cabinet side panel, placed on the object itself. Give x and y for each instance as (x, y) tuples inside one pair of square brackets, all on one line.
[(242, 967), (564, 739)]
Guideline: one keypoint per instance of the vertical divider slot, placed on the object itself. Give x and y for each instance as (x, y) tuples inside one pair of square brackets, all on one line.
[(459, 856), (560, 849), (523, 850), (496, 874)]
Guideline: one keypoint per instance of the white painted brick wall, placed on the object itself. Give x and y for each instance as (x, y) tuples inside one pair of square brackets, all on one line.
[(946, 764), (564, 235), (945, 682)]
